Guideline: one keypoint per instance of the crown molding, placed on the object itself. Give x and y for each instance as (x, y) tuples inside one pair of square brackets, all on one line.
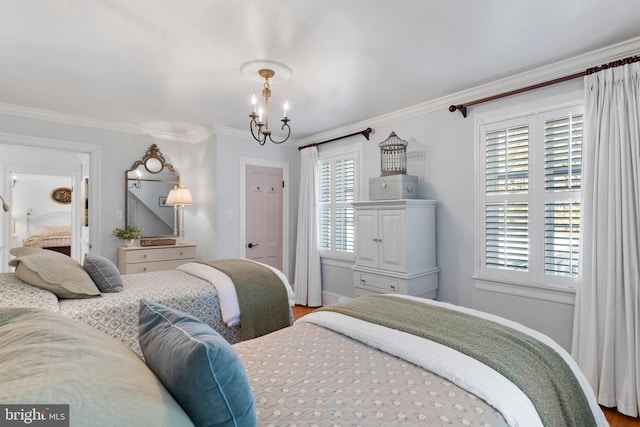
[(538, 75), (38, 114), (190, 133)]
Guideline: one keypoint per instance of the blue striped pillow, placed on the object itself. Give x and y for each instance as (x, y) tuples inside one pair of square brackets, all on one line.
[(198, 367)]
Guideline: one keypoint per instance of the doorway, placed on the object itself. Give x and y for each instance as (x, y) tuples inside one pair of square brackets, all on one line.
[(31, 163)]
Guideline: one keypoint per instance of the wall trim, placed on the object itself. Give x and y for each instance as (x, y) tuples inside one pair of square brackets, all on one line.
[(560, 295), (329, 298)]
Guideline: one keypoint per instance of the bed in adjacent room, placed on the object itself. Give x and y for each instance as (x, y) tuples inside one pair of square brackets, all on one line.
[(97, 295), (50, 231)]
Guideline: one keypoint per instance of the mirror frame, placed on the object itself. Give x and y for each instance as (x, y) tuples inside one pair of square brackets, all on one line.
[(153, 158)]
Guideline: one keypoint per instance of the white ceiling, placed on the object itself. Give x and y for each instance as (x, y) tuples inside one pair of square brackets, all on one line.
[(175, 65)]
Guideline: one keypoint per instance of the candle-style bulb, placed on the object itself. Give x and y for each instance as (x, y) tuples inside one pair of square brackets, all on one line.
[(260, 114), (286, 107)]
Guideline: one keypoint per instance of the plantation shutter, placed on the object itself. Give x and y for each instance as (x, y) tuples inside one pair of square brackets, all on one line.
[(324, 200), (344, 185), (563, 179), (506, 215), (336, 191)]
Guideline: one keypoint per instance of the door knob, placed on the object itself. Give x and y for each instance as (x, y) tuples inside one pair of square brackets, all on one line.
[(252, 245)]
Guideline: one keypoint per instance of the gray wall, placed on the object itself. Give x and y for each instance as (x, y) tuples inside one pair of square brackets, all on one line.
[(443, 143)]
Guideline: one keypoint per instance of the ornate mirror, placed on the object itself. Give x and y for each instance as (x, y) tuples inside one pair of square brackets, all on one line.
[(148, 183)]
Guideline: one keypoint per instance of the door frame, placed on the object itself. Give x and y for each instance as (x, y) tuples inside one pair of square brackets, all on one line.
[(34, 142), (249, 161)]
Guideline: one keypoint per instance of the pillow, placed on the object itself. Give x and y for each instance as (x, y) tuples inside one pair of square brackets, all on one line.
[(198, 367), (53, 271), (103, 272), (24, 250), (47, 358)]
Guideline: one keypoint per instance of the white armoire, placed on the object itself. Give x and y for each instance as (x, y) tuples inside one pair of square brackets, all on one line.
[(395, 247)]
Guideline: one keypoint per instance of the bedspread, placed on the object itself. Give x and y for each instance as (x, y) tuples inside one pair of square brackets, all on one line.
[(45, 237), (308, 375), (117, 313), (461, 369)]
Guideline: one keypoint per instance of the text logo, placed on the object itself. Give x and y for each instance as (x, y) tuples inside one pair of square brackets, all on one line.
[(34, 415)]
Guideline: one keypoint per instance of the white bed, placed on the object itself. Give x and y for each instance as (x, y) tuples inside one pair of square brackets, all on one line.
[(50, 231)]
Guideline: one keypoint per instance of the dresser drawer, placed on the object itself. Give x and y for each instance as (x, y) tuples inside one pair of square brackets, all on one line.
[(377, 283), (144, 255), (180, 252), (146, 267)]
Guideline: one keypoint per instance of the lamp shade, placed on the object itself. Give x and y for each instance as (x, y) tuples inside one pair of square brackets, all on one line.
[(180, 196)]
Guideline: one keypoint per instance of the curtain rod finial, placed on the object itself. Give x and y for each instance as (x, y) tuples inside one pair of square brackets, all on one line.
[(460, 107)]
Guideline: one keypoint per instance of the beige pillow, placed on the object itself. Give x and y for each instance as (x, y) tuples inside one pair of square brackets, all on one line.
[(53, 271)]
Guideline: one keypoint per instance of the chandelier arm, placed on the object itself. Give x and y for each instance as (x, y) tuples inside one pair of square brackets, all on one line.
[(252, 124), (285, 124)]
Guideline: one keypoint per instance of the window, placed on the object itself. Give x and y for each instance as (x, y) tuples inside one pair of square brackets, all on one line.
[(529, 199), (337, 189)]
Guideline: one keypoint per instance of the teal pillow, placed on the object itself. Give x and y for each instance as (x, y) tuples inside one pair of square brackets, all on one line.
[(103, 272), (198, 367)]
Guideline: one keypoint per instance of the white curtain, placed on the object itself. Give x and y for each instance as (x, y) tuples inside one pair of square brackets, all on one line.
[(307, 284), (606, 335)]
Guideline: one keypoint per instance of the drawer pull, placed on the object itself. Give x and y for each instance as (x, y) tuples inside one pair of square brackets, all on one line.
[(181, 253), (392, 287), (144, 255), (144, 269)]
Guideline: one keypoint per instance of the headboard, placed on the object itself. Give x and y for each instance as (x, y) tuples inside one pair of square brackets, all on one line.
[(50, 219)]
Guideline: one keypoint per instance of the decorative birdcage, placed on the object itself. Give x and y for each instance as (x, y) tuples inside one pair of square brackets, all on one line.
[(393, 156)]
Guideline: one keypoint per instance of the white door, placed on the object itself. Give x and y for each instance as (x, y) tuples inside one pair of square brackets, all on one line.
[(264, 215)]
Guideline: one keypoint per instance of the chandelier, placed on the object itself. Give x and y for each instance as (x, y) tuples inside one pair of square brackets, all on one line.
[(260, 129)]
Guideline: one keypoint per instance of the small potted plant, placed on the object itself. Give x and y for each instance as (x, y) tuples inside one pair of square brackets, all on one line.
[(128, 234)]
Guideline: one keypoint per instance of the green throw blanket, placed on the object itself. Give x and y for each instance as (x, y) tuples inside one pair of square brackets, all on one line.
[(538, 370), (262, 297)]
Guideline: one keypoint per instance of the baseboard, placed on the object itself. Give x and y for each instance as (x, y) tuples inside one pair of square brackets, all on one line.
[(329, 298)]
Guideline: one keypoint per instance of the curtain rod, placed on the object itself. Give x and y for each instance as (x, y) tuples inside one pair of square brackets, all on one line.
[(364, 133), (463, 107)]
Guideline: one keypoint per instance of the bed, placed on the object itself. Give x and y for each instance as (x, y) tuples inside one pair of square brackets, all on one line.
[(195, 288), (50, 231), (331, 367)]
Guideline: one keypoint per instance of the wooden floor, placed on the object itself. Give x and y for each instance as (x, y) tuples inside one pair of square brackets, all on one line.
[(615, 418), (301, 310)]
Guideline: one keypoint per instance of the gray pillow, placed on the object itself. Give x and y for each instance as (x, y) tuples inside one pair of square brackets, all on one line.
[(55, 272), (47, 358), (103, 272)]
